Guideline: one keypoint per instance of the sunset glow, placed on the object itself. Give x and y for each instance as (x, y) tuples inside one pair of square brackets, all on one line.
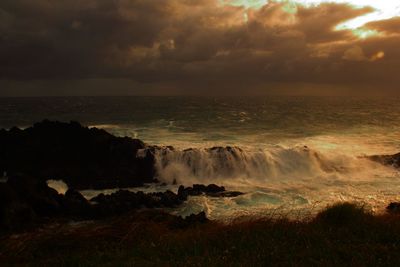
[(199, 47), (200, 132), (383, 9)]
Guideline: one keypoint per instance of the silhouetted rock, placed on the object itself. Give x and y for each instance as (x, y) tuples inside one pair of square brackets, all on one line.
[(393, 207), (183, 193), (210, 190), (123, 201), (15, 213), (389, 160), (44, 200), (225, 194), (169, 199), (25, 200), (84, 158), (75, 204), (74, 196)]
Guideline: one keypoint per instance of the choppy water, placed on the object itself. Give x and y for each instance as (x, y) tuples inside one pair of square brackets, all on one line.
[(291, 154)]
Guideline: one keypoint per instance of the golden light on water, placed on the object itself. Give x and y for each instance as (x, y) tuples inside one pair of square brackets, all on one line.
[(382, 9)]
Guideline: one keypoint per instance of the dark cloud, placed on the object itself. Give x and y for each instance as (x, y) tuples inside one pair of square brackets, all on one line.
[(181, 45)]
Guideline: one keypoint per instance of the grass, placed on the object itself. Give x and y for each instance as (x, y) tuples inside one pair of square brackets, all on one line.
[(342, 235)]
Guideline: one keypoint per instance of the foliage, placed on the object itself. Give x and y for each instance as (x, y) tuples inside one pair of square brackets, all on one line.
[(342, 235)]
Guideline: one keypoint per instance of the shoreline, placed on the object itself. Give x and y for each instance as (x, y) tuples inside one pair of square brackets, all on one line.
[(90, 158), (41, 227)]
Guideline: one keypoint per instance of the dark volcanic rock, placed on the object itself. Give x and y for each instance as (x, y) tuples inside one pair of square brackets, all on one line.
[(44, 200), (123, 201), (210, 190), (76, 205), (82, 157), (183, 193), (226, 194), (75, 197), (199, 189), (15, 213), (393, 207), (25, 201), (389, 160)]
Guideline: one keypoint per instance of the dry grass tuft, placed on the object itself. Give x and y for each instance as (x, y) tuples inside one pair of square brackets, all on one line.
[(343, 234)]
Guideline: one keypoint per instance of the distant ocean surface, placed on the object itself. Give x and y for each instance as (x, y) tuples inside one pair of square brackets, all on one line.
[(294, 155)]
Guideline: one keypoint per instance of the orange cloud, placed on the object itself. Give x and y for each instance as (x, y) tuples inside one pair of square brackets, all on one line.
[(192, 44)]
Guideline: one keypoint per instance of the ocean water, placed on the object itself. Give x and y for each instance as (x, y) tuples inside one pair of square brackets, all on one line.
[(292, 156)]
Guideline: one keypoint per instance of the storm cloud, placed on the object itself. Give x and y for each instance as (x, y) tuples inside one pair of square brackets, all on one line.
[(188, 46)]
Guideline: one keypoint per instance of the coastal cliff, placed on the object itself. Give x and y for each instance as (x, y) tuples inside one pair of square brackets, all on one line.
[(83, 158)]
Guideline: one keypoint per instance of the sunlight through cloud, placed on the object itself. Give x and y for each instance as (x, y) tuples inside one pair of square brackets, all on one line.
[(383, 9)]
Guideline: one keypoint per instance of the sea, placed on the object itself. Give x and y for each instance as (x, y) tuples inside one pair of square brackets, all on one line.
[(291, 155)]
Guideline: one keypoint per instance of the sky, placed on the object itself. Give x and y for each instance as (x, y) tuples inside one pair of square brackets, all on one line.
[(205, 47)]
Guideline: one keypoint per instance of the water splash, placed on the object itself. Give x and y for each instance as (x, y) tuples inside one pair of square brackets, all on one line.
[(258, 167), (60, 186)]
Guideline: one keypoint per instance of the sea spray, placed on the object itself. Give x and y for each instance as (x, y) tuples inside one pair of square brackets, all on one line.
[(223, 164), (60, 186)]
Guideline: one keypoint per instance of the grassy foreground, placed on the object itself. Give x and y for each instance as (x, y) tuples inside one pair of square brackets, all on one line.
[(342, 235)]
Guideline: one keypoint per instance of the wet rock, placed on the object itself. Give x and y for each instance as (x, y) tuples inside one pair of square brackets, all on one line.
[(212, 188), (389, 160), (226, 194), (183, 193), (123, 201), (84, 158), (76, 205), (393, 207), (169, 199), (44, 200), (74, 196), (25, 200), (15, 213), (209, 190), (199, 189)]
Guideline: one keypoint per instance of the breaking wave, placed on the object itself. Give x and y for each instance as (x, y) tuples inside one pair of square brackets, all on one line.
[(252, 165)]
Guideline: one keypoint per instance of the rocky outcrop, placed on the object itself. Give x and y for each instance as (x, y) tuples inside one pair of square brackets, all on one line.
[(393, 208), (25, 201), (82, 157), (209, 190), (389, 160), (123, 201), (15, 213), (44, 201), (76, 206)]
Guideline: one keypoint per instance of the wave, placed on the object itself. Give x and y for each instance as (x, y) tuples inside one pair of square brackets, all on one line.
[(252, 165)]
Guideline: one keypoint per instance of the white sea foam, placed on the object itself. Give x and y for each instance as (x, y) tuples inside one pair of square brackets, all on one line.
[(60, 186), (298, 180), (279, 174), (272, 167), (257, 167)]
